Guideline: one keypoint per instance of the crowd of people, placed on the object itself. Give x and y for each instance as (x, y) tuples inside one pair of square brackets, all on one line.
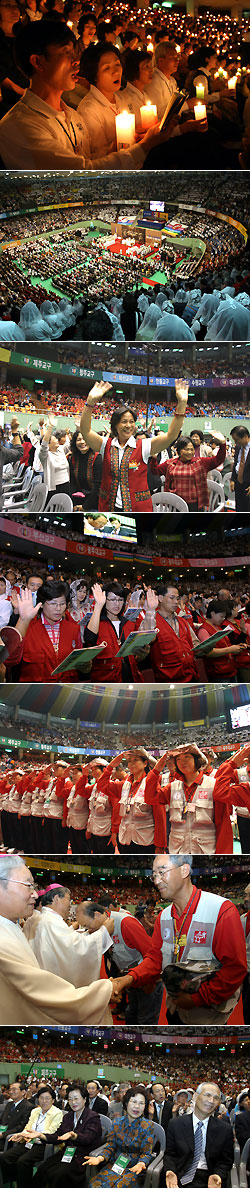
[(179, 795), (121, 467), (63, 287), (209, 296), (104, 1112), (142, 629), (17, 398), (132, 50), (41, 188), (55, 611), (74, 736), (209, 1064)]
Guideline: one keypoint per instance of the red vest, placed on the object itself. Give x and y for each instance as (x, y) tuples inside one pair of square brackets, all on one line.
[(108, 666), (172, 655), (90, 470), (132, 477), (219, 664)]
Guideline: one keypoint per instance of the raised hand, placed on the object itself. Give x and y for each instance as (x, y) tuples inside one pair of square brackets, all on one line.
[(99, 594), (152, 599), (239, 756), (25, 607), (181, 388), (98, 390)]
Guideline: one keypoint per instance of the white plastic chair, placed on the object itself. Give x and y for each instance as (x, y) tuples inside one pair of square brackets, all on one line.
[(216, 475), (164, 501), (37, 500), (60, 503), (229, 495), (14, 497), (25, 499), (216, 496)]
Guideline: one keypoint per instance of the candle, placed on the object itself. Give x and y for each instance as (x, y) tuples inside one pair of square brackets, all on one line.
[(125, 129), (220, 72), (200, 91), (148, 115), (150, 47), (200, 111), (232, 83)]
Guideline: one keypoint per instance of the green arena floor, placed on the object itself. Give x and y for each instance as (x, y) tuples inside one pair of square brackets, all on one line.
[(157, 277)]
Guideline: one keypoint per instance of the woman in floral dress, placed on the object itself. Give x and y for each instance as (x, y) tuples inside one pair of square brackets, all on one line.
[(131, 1137)]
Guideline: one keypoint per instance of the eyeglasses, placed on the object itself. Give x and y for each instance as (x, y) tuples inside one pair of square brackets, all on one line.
[(32, 886), (157, 873)]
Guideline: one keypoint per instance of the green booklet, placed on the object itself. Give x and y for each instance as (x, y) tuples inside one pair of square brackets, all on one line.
[(137, 639), (80, 658), (207, 645)]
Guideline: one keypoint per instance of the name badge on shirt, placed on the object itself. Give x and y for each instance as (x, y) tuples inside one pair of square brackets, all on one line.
[(68, 1155), (121, 1163)]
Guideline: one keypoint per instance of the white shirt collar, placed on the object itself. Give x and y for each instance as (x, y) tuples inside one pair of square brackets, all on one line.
[(204, 1121), (30, 99), (131, 442), (102, 98), (136, 91), (160, 72)]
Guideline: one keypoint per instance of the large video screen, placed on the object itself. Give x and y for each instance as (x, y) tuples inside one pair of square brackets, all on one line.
[(157, 206), (110, 526), (240, 717)]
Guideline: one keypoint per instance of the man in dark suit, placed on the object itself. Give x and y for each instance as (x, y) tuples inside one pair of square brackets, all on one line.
[(16, 1112), (200, 1148), (162, 1105), (96, 1101), (240, 477)]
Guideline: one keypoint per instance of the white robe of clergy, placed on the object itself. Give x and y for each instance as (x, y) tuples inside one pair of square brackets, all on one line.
[(72, 954), (31, 995)]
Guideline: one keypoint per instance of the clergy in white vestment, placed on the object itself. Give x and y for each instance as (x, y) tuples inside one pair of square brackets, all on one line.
[(62, 950)]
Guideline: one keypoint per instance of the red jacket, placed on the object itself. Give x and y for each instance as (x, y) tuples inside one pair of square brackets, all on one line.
[(108, 666), (172, 656), (132, 477), (39, 658), (218, 665), (243, 658)]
